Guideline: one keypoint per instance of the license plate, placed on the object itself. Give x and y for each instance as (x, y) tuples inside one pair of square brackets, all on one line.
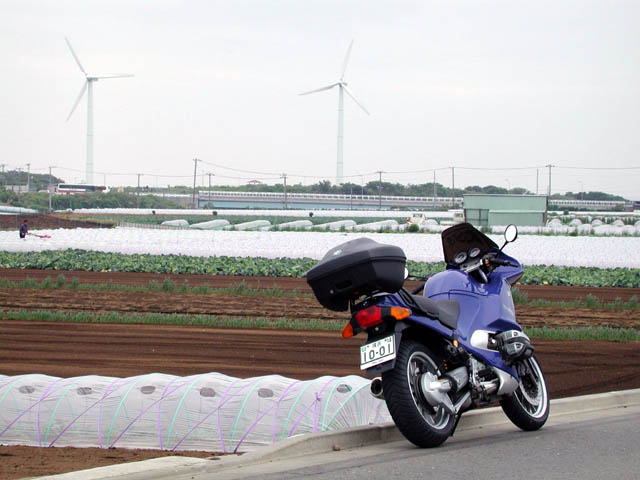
[(377, 352)]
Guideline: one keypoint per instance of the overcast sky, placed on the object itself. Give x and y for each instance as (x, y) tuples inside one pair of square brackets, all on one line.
[(470, 84)]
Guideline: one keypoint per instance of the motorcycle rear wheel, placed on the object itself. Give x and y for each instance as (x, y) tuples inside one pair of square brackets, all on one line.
[(420, 423), (528, 406)]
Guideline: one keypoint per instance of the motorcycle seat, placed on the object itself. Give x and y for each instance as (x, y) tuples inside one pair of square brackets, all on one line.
[(449, 313), (445, 311)]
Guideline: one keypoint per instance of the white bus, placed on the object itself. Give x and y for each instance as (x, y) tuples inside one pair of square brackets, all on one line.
[(77, 189)]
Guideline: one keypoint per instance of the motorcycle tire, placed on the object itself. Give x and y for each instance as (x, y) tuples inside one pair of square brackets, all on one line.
[(420, 423), (528, 406)]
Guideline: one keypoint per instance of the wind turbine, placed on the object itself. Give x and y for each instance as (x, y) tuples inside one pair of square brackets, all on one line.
[(342, 89), (88, 85)]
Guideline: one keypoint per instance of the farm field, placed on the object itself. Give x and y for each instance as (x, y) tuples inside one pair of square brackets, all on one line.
[(74, 349), (600, 252), (292, 299)]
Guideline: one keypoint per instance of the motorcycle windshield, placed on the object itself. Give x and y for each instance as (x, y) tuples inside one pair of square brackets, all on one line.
[(462, 238)]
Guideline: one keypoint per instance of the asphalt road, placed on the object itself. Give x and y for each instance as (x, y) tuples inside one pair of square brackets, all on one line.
[(594, 445)]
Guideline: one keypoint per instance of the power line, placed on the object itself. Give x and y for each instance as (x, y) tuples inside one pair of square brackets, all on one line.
[(277, 175), (500, 168), (597, 168), (237, 169)]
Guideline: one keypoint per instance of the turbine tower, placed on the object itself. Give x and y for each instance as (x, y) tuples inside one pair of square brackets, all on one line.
[(90, 79), (342, 89)]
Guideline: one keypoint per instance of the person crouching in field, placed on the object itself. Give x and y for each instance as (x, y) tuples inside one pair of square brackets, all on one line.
[(24, 229)]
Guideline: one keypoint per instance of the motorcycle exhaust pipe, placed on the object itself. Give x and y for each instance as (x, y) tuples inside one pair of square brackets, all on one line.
[(376, 388)]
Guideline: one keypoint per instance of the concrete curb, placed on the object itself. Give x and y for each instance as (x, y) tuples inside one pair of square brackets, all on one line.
[(324, 442)]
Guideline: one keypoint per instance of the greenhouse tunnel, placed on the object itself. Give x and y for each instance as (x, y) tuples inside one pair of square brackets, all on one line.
[(209, 412)]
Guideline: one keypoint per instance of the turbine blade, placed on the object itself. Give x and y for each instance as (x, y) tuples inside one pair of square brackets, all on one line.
[(346, 60), (355, 100), (112, 75), (74, 55), (82, 90), (328, 87)]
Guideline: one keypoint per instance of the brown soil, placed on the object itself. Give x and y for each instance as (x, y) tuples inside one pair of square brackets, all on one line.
[(165, 302), (300, 307), (21, 462), (65, 350), (534, 292), (37, 221)]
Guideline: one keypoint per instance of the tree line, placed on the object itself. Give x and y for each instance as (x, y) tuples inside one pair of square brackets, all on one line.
[(131, 197)]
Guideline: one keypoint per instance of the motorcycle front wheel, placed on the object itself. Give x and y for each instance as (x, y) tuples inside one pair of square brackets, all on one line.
[(528, 406), (420, 423)]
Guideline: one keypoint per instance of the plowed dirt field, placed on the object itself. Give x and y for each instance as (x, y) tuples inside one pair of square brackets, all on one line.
[(65, 349), (38, 221)]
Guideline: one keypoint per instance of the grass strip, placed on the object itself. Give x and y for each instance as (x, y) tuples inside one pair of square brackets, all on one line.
[(590, 301), (585, 333), (167, 285), (169, 319), (578, 333)]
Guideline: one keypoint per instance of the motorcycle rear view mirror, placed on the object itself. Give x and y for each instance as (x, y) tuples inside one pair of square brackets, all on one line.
[(510, 233)]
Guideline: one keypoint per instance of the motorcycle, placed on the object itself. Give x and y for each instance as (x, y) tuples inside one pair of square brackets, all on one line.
[(454, 348)]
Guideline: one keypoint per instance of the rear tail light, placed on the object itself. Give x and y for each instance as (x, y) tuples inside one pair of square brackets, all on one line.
[(369, 317), (374, 315)]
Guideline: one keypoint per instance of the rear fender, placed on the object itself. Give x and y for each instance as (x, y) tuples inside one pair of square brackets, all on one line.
[(402, 329), (399, 328)]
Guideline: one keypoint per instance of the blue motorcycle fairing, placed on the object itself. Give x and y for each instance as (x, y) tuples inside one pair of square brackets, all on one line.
[(483, 306)]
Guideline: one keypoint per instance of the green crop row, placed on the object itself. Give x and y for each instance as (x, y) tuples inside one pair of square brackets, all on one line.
[(283, 267), (167, 285), (577, 333), (114, 262)]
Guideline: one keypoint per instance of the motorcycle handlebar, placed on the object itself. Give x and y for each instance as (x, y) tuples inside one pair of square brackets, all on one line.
[(498, 262)]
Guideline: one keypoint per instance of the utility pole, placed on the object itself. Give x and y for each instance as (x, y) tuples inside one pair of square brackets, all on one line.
[(209, 192), (435, 189), (49, 188), (537, 172), (380, 172), (195, 168), (453, 187), (549, 188), (28, 177), (284, 176), (138, 192)]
